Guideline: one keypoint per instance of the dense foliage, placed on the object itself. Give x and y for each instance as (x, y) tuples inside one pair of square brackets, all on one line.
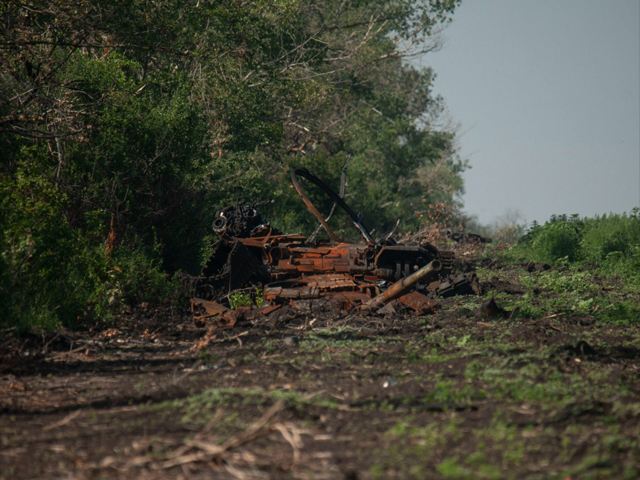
[(124, 125), (611, 242)]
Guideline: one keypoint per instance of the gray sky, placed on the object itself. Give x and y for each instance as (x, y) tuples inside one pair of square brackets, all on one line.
[(547, 95)]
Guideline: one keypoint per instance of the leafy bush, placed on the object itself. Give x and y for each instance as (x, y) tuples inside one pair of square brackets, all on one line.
[(52, 274), (556, 240), (560, 240), (610, 238), (611, 242), (41, 284), (135, 275)]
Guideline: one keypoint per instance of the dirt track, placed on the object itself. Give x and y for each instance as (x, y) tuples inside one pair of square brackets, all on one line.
[(451, 395)]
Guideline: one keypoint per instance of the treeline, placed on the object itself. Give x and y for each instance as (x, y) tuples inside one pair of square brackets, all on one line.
[(125, 125)]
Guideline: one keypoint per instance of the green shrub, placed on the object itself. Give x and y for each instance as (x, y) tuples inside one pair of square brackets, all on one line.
[(53, 274), (556, 241), (133, 275), (42, 285), (610, 238), (611, 243)]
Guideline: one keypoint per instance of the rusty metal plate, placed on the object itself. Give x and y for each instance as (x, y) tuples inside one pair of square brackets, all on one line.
[(421, 304)]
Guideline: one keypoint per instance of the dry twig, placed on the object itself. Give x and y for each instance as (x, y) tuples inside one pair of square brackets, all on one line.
[(64, 421)]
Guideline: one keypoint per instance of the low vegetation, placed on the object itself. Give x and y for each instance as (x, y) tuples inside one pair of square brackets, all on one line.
[(611, 242)]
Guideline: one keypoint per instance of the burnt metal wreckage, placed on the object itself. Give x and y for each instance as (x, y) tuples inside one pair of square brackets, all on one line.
[(374, 276)]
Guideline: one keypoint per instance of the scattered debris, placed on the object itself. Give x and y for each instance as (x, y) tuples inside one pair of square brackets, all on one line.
[(375, 276)]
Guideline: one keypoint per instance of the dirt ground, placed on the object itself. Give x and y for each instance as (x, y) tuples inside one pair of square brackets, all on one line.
[(310, 395)]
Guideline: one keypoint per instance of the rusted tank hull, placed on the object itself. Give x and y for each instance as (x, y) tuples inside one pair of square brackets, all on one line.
[(367, 275)]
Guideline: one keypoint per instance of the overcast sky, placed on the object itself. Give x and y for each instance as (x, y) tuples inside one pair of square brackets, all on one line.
[(547, 95)]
